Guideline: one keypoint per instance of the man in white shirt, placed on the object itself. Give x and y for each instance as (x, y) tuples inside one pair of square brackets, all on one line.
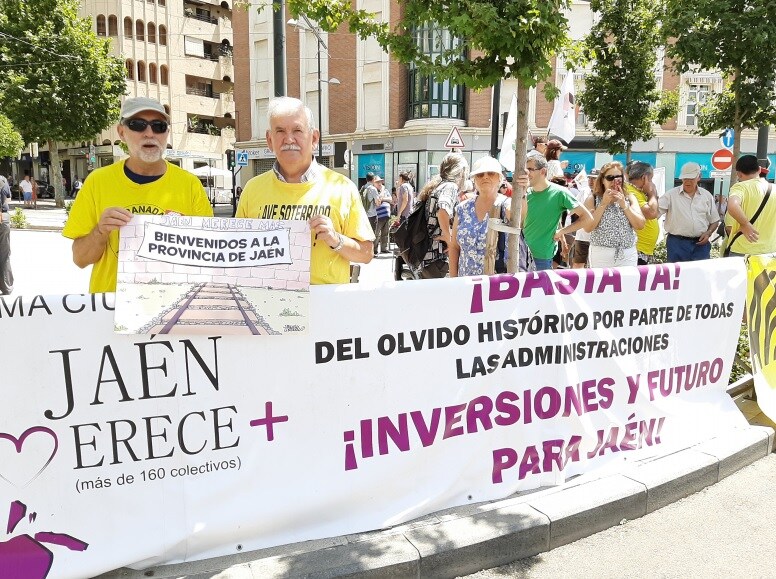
[(25, 186), (691, 217)]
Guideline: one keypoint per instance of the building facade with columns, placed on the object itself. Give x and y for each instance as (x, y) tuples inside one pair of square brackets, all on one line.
[(179, 52)]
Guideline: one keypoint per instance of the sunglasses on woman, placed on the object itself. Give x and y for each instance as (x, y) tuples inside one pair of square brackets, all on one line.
[(613, 177), (139, 125)]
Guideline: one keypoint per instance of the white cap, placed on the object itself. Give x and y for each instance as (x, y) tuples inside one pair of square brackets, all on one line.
[(486, 165), (690, 171), (135, 105)]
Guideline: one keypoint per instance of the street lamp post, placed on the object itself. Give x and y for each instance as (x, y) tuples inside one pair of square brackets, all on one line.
[(307, 25)]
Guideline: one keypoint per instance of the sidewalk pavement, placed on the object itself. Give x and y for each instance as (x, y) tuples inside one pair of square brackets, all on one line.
[(49, 217), (467, 539)]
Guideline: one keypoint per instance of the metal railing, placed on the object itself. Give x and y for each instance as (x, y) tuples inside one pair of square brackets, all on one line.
[(209, 92), (200, 17)]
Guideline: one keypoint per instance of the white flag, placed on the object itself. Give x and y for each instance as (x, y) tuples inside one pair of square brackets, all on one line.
[(581, 182), (563, 122), (507, 155)]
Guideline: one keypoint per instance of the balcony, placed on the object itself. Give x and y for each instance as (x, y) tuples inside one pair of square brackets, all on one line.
[(211, 23), (201, 16)]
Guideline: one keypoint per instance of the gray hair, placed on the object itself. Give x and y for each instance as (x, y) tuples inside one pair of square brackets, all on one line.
[(283, 106), (454, 168), (540, 162), (639, 169)]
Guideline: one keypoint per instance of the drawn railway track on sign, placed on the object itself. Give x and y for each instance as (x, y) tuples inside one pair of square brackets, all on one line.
[(211, 308)]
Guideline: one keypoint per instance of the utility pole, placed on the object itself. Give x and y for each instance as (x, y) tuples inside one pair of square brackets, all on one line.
[(495, 120), (279, 46), (762, 146)]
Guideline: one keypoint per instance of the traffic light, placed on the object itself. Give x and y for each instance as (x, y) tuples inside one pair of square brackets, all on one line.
[(230, 159)]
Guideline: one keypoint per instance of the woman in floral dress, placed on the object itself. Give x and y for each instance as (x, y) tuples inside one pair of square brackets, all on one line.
[(467, 247)]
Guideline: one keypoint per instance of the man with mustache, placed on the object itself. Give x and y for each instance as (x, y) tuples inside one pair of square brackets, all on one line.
[(142, 184), (298, 187)]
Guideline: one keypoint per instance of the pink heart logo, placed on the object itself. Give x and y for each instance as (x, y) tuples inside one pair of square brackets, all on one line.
[(21, 470)]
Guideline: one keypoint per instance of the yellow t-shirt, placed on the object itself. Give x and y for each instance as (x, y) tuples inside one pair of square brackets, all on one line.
[(331, 194), (646, 238), (750, 194), (177, 191)]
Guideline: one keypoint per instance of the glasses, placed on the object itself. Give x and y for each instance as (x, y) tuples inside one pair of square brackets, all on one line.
[(613, 177), (532, 169), (139, 125)]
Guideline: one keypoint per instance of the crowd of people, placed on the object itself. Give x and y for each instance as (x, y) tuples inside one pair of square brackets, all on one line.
[(608, 219)]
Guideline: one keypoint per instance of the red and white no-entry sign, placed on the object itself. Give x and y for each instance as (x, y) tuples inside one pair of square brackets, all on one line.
[(722, 159)]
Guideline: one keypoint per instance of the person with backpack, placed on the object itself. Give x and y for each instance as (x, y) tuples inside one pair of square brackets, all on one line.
[(369, 195), (439, 198), (470, 225)]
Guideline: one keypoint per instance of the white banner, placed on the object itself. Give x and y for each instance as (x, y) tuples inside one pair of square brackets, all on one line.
[(140, 450)]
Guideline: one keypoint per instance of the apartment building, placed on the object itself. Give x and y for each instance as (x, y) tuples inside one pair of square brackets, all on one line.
[(179, 52), (385, 117)]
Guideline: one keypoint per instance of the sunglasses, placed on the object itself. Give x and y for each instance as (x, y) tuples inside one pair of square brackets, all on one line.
[(139, 125), (613, 177)]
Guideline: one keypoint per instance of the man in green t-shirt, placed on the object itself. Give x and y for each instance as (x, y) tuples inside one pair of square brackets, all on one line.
[(546, 203)]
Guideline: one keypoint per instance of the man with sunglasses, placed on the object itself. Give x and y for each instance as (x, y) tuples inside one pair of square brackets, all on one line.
[(142, 184), (545, 203), (691, 217), (299, 188)]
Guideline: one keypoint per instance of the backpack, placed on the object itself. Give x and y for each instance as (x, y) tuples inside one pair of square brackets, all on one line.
[(365, 197), (412, 237)]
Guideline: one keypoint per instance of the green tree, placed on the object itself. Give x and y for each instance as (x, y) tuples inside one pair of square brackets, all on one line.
[(621, 96), (735, 37), (11, 141), (59, 81), (514, 39)]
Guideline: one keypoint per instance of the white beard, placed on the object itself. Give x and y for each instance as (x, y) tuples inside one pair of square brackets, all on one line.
[(149, 155)]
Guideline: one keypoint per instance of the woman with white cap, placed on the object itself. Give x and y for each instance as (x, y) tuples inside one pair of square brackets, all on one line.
[(470, 225)]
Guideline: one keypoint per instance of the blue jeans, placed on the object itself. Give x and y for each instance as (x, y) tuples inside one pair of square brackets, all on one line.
[(542, 264), (682, 249)]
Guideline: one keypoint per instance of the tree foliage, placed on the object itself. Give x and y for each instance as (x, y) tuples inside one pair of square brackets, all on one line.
[(11, 141), (736, 38), (621, 95), (504, 39), (59, 81)]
